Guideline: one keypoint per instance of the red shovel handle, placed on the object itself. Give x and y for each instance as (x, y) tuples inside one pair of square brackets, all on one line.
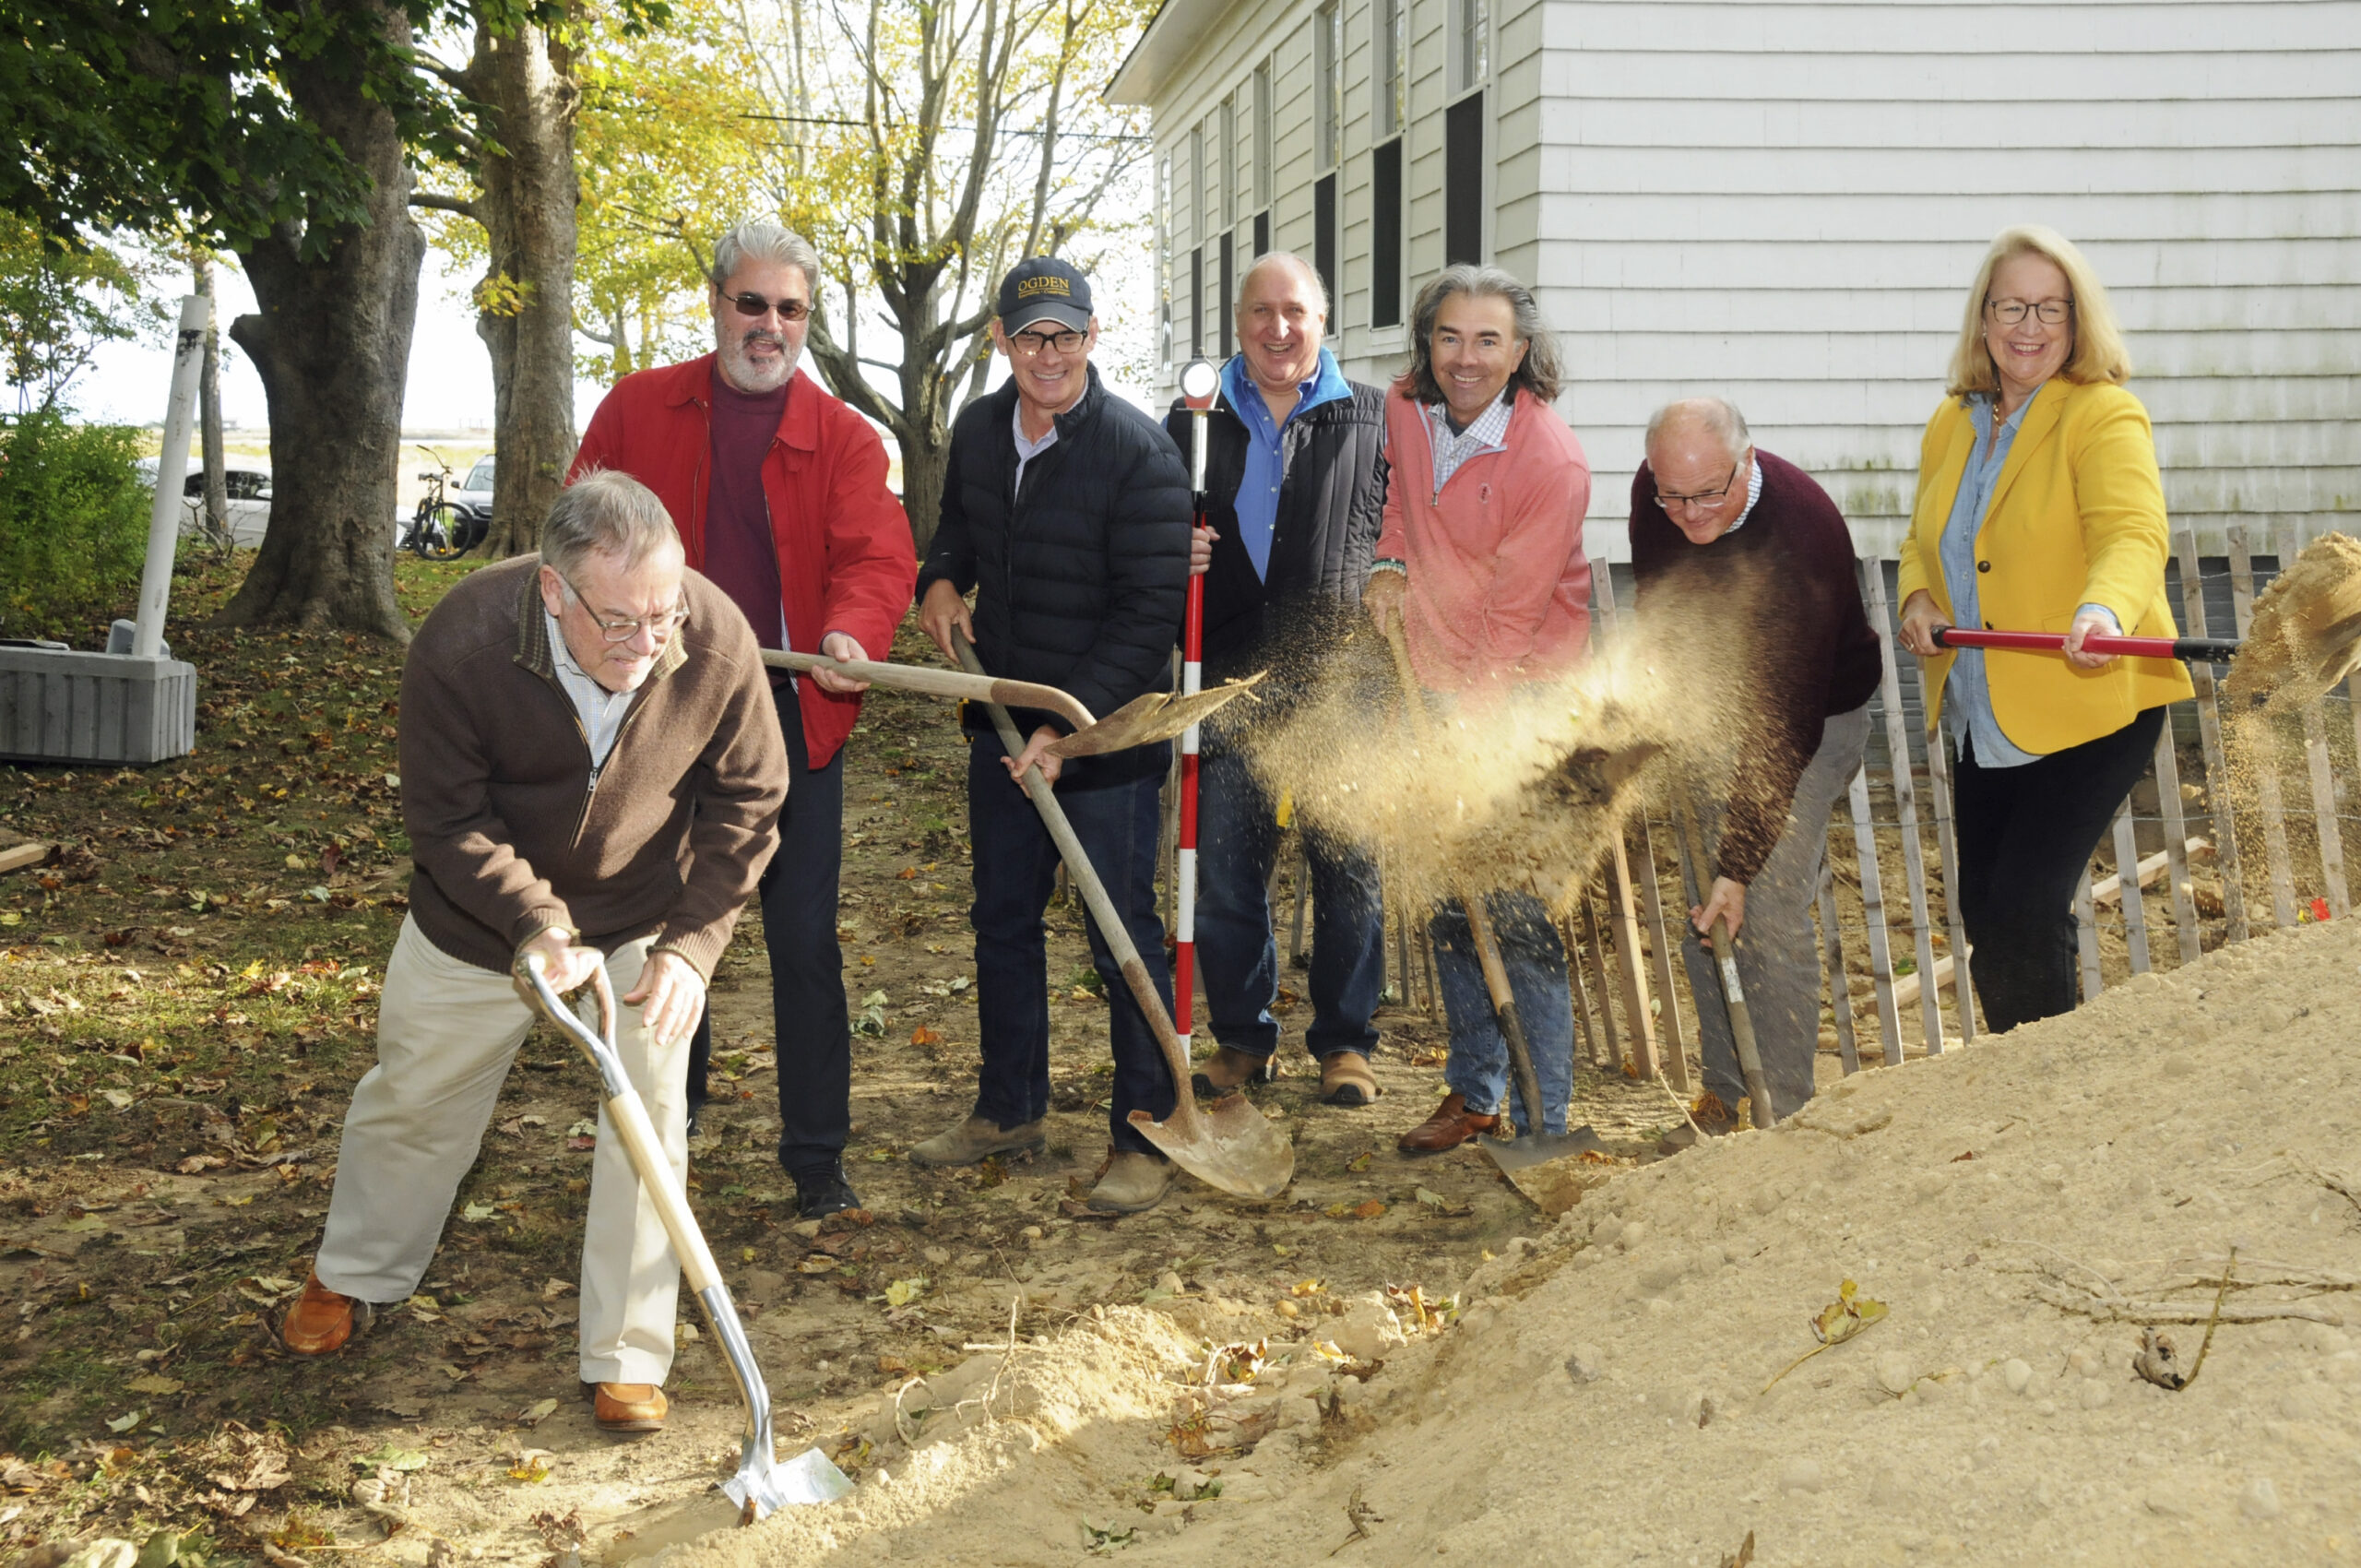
[(2214, 648)]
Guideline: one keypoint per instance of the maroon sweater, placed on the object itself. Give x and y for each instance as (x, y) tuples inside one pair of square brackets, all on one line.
[(1796, 594), (507, 835)]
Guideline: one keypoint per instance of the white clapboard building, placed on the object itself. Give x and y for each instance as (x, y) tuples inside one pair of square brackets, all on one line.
[(1784, 202)]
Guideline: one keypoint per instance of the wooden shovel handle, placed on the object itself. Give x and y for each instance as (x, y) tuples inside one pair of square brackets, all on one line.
[(973, 687)]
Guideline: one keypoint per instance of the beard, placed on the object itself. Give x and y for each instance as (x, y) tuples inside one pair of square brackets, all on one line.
[(739, 369)]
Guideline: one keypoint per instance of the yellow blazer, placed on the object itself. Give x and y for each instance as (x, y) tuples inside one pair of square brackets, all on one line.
[(2077, 518)]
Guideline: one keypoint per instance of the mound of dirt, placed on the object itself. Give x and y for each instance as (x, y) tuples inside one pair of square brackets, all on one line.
[(1606, 1394)]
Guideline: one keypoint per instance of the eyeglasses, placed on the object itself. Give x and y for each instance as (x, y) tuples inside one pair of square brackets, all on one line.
[(1703, 498), (2049, 313), (757, 306), (659, 627), (1031, 343)]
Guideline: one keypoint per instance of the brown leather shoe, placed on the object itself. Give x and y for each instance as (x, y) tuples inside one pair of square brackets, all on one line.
[(629, 1407), (321, 1322), (1227, 1071), (1452, 1125), (1346, 1079)]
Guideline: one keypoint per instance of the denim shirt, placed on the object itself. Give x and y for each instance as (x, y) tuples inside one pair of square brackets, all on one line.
[(1972, 719), (1258, 487)]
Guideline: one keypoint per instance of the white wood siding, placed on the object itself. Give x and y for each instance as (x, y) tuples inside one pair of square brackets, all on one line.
[(1785, 203)]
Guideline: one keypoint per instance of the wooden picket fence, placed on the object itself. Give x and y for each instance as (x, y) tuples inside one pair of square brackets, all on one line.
[(1896, 981)]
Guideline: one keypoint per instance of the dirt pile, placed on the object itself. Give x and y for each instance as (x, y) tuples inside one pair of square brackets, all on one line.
[(1606, 1394), (2306, 633)]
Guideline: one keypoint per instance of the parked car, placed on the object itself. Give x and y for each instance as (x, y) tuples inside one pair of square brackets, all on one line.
[(249, 487)]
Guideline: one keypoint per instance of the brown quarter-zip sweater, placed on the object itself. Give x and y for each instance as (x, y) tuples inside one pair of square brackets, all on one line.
[(508, 833)]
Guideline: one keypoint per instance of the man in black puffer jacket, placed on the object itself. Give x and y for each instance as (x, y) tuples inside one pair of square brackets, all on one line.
[(1295, 486), (1066, 510)]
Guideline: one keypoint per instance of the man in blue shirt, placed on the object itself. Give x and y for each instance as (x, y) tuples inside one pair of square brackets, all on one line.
[(1295, 483)]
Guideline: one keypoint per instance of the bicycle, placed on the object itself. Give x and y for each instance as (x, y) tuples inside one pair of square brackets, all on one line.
[(440, 530)]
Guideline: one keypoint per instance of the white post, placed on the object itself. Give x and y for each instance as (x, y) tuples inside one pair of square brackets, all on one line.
[(171, 478)]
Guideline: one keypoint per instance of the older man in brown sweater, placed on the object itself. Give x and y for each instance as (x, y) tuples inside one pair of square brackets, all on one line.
[(590, 766)]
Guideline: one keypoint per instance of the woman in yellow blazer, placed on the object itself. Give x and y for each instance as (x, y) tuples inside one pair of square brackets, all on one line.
[(2039, 508)]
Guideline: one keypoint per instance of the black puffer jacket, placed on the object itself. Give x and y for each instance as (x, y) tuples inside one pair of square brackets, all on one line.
[(1082, 577), (1332, 503)]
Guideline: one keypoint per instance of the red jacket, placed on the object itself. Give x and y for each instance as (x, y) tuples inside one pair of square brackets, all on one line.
[(846, 560)]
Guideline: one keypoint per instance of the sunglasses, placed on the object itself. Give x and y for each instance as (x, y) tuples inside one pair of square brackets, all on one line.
[(756, 306)]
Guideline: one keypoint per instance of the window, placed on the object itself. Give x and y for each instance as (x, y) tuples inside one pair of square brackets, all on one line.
[(1262, 159), (1464, 164), (1228, 161), (1324, 232), (1196, 302), (1328, 109), (1472, 39), (1393, 107), (1164, 258), (1390, 52)]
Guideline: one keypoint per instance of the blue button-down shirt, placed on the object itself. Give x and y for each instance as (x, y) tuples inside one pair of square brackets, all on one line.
[(1258, 489), (1972, 718)]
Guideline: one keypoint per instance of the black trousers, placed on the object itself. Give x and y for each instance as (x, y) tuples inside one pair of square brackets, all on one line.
[(2025, 836), (807, 1015)]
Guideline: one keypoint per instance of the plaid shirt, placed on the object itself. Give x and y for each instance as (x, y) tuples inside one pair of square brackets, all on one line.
[(1488, 433)]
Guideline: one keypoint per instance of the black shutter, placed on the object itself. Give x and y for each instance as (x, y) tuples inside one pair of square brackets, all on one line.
[(1386, 241), (1196, 302), (1323, 234), (1229, 296), (1463, 181)]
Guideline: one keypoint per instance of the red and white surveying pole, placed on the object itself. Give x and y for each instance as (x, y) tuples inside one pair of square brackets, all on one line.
[(1199, 381)]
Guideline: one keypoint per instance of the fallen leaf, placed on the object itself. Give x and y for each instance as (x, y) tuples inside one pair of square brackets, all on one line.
[(892, 1366), (1360, 1162), (902, 1292), (552, 1289), (536, 1412), (477, 1212), (155, 1382), (456, 1373), (1368, 1210), (389, 1457), (533, 1470), (1432, 1200), (924, 1035), (124, 1423)]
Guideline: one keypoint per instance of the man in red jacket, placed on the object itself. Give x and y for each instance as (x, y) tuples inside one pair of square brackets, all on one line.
[(780, 492)]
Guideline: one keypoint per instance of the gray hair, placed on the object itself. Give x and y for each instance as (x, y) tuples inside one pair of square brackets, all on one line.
[(1282, 258), (1717, 416), (1538, 374), (606, 512), (758, 239)]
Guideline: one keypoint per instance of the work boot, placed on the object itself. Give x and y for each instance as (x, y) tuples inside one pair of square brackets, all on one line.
[(1346, 1079), (1452, 1125), (321, 1322), (628, 1406), (821, 1190), (975, 1140), (1228, 1070), (1712, 1118), (1133, 1181)]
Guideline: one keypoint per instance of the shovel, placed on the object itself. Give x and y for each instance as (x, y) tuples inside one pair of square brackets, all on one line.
[(1143, 721), (1229, 1146), (762, 1485), (1532, 1145), (2304, 637), (1750, 1057)]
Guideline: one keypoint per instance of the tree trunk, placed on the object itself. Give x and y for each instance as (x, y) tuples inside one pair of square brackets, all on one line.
[(924, 464), (332, 346), (525, 304), (208, 407)]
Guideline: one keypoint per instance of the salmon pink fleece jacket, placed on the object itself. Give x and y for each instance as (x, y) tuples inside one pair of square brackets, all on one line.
[(1499, 587)]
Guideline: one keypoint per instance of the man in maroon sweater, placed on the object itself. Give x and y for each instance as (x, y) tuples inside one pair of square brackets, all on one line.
[(1723, 534), (780, 492)]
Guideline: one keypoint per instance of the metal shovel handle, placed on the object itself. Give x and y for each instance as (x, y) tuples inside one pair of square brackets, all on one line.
[(757, 1486), (1750, 1057)]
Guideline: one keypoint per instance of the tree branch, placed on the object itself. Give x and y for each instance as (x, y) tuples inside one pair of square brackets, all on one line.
[(439, 203)]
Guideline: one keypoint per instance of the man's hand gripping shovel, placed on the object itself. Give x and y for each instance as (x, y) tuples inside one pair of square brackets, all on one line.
[(762, 1484)]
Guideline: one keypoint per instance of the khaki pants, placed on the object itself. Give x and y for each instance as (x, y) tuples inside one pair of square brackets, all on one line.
[(447, 1034)]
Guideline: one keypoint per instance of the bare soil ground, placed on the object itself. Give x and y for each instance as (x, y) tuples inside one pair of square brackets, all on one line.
[(186, 998)]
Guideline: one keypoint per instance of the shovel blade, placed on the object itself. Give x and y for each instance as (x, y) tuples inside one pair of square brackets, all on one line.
[(1534, 1148), (1228, 1144), (1548, 1168), (1143, 721)]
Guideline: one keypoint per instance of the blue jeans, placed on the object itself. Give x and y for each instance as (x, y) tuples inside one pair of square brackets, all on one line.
[(1535, 961), (1238, 835), (1015, 866)]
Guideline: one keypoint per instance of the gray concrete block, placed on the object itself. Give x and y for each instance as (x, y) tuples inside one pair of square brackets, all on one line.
[(62, 705)]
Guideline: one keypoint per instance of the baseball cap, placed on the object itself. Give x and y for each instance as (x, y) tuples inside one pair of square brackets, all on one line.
[(1042, 288)]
